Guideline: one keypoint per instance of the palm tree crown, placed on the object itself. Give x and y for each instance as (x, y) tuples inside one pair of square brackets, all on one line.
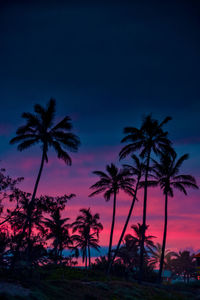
[(137, 238), (39, 129), (112, 182), (150, 136), (166, 174), (87, 220)]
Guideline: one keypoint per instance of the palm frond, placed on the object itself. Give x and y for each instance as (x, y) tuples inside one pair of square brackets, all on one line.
[(26, 144), (61, 153)]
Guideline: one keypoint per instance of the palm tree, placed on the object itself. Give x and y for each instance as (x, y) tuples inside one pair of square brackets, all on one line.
[(59, 232), (39, 129), (137, 237), (129, 252), (137, 170), (86, 240), (184, 264), (111, 183), (88, 222), (166, 174), (149, 138), (156, 255)]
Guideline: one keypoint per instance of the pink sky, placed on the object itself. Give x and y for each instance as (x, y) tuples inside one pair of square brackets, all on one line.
[(58, 179)]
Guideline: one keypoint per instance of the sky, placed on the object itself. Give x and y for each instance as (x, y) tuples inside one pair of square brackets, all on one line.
[(107, 64)]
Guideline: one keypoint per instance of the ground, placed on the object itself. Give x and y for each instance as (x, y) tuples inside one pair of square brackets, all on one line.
[(77, 285)]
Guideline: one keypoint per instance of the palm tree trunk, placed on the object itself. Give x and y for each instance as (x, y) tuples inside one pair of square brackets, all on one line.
[(124, 229), (89, 259), (29, 242), (30, 208), (112, 228), (164, 241), (38, 178), (144, 219), (86, 258)]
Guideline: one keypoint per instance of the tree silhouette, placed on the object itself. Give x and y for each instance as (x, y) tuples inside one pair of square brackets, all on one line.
[(137, 237), (58, 231), (149, 138), (88, 222), (39, 129), (156, 254), (136, 170), (88, 226), (184, 264), (111, 183), (128, 253), (17, 219), (4, 247), (166, 174), (7, 191), (84, 241)]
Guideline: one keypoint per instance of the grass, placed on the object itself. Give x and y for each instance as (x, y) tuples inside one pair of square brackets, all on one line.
[(53, 283)]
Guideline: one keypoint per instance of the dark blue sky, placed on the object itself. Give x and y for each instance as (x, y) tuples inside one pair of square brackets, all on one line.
[(107, 63)]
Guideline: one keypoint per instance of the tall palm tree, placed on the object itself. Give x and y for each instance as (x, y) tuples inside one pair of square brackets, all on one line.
[(166, 174), (137, 170), (88, 223), (58, 231), (39, 129), (149, 138), (111, 183)]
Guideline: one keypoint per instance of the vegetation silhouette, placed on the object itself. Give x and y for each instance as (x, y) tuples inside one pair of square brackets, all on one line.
[(88, 227), (39, 128), (149, 138), (136, 170), (37, 238), (111, 183), (58, 231), (166, 175), (85, 224), (156, 253)]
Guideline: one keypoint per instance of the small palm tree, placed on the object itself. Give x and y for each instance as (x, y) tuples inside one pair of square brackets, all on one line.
[(137, 237), (128, 253), (156, 254), (111, 183), (39, 129), (184, 264), (137, 170), (149, 138), (58, 231), (85, 241), (88, 223), (166, 175)]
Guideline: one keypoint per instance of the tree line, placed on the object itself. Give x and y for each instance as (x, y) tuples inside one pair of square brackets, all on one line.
[(35, 232)]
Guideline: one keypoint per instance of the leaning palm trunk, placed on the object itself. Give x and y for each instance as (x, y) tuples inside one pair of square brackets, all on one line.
[(124, 229), (31, 204), (112, 228), (144, 220), (164, 241)]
